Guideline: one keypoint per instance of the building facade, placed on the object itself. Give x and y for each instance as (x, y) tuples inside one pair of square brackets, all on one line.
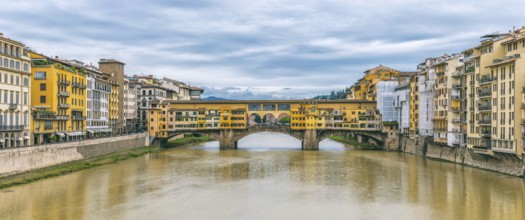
[(58, 97), (15, 93), (115, 69), (98, 93)]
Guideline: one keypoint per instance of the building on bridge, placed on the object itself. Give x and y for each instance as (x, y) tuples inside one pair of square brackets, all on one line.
[(230, 119)]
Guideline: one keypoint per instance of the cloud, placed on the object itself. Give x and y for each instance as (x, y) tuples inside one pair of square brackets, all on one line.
[(253, 49)]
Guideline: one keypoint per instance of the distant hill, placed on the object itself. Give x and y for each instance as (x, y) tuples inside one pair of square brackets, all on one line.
[(211, 98)]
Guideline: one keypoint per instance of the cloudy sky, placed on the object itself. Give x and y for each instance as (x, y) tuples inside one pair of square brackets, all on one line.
[(248, 49)]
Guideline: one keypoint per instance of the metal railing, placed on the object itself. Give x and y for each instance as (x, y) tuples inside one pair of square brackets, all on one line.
[(64, 105), (64, 94), (12, 127), (64, 82), (485, 108), (78, 117), (486, 80), (13, 106), (485, 94)]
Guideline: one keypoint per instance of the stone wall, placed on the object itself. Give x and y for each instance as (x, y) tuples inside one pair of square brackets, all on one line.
[(501, 162), (17, 160)]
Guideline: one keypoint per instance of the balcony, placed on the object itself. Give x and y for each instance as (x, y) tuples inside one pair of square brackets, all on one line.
[(485, 134), (64, 94), (64, 106), (78, 118), (469, 69), (79, 85), (486, 80), (485, 94), (12, 128), (13, 106), (456, 120), (485, 122), (457, 86), (64, 82), (50, 116), (455, 97), (485, 108), (454, 109)]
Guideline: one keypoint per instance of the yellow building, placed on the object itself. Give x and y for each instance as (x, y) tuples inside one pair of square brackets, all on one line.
[(195, 115), (114, 107), (365, 88), (58, 99), (414, 107)]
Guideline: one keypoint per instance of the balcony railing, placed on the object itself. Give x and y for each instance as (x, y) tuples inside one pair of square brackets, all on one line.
[(455, 109), (64, 82), (13, 106), (485, 108), (486, 79), (64, 105), (78, 118), (50, 117), (485, 94), (457, 86), (79, 85), (485, 133), (64, 94), (485, 122), (470, 69), (455, 97), (12, 127)]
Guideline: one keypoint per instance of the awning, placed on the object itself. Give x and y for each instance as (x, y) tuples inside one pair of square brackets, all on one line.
[(60, 134), (21, 139), (69, 134), (83, 133), (26, 137), (2, 140), (91, 131)]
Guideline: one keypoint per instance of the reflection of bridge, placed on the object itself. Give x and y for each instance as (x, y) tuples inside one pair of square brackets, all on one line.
[(229, 121)]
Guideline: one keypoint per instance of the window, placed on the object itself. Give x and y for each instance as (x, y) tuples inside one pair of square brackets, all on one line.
[(40, 75), (43, 99), (42, 87), (26, 67), (26, 82)]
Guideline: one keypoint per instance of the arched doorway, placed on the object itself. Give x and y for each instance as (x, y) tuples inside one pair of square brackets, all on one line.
[(254, 120), (269, 120)]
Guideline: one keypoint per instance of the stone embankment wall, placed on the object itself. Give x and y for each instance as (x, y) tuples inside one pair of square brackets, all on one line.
[(17, 160), (502, 163)]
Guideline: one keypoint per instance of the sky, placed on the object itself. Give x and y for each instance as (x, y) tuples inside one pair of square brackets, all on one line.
[(248, 49)]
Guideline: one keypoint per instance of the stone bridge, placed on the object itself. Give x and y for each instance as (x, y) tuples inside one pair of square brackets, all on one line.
[(310, 139)]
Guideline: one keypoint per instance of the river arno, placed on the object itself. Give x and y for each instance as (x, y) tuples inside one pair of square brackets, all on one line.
[(269, 177)]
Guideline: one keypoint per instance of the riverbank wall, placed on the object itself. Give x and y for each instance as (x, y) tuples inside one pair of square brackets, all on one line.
[(501, 162), (23, 159)]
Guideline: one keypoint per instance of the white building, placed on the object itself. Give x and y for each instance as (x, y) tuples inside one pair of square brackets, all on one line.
[(426, 97), (385, 100), (130, 90), (98, 90), (15, 93), (402, 106)]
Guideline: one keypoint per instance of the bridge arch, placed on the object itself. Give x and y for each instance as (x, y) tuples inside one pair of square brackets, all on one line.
[(283, 119), (269, 119), (254, 119)]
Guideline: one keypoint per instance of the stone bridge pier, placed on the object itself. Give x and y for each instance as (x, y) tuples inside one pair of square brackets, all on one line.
[(228, 138)]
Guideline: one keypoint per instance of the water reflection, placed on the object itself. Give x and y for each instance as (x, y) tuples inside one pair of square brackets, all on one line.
[(270, 177)]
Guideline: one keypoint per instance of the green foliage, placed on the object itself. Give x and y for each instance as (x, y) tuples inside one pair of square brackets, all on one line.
[(333, 95), (285, 120), (187, 140)]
